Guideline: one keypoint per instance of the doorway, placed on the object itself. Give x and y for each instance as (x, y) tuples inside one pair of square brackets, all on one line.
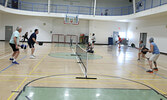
[(8, 32), (115, 37), (143, 37)]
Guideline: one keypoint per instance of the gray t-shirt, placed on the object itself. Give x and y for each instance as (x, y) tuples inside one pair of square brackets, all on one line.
[(142, 45)]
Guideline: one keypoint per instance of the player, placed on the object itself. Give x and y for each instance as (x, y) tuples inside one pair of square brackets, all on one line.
[(14, 43), (32, 41)]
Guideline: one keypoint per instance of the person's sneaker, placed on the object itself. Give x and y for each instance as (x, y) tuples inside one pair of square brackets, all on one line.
[(138, 59), (156, 69), (32, 57), (11, 59), (14, 62), (149, 71)]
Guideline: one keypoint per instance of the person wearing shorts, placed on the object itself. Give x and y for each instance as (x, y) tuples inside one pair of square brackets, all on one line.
[(155, 54), (14, 43), (141, 46), (32, 41), (119, 41)]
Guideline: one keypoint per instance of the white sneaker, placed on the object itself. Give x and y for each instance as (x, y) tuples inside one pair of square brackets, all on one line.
[(32, 57)]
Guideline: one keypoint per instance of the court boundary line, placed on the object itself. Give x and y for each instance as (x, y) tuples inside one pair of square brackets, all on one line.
[(27, 77), (88, 88), (36, 75), (6, 56), (96, 75), (163, 77), (135, 75), (11, 65)]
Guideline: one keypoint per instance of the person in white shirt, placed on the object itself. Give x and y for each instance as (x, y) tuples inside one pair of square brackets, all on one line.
[(14, 43), (93, 39)]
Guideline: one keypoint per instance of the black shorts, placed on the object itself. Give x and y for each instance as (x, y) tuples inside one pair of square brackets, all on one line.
[(93, 41), (31, 45), (144, 52), (13, 46)]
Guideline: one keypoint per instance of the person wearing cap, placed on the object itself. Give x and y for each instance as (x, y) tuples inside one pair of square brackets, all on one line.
[(155, 54), (14, 43)]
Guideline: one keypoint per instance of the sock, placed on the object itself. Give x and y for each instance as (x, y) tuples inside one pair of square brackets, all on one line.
[(14, 60)]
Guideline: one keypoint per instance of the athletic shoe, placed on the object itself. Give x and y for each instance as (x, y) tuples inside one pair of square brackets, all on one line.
[(14, 62), (149, 71), (32, 57), (138, 59), (156, 69), (11, 59)]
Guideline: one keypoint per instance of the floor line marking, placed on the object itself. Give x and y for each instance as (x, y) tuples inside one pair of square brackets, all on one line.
[(6, 56), (162, 92), (27, 77), (11, 65)]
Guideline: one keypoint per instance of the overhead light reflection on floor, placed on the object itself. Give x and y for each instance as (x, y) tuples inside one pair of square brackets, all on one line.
[(31, 94), (97, 95)]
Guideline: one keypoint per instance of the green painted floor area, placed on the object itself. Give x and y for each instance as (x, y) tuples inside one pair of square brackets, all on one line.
[(68, 45), (44, 93), (63, 45), (66, 55)]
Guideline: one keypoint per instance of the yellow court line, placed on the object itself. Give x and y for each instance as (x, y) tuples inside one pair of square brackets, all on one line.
[(86, 82), (26, 77), (136, 76), (162, 92)]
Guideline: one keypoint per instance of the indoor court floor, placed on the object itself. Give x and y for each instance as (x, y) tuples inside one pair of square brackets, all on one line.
[(52, 75)]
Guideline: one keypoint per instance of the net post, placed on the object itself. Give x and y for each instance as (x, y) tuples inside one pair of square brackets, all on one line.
[(52, 38), (70, 42), (86, 67)]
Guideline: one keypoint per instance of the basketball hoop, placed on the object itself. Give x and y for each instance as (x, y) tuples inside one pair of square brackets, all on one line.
[(74, 20)]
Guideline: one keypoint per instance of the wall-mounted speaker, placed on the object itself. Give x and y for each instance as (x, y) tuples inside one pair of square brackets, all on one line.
[(130, 0)]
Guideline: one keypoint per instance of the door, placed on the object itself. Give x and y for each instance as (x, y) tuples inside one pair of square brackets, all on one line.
[(143, 37), (115, 37), (8, 32)]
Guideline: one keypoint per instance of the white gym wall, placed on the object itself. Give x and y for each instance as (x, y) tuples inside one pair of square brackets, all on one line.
[(104, 29), (44, 24), (154, 27)]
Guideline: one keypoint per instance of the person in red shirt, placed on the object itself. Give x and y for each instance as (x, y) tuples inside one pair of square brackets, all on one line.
[(119, 41)]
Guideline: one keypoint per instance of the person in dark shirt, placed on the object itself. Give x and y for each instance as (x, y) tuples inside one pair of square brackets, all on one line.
[(32, 41), (141, 46), (25, 37)]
